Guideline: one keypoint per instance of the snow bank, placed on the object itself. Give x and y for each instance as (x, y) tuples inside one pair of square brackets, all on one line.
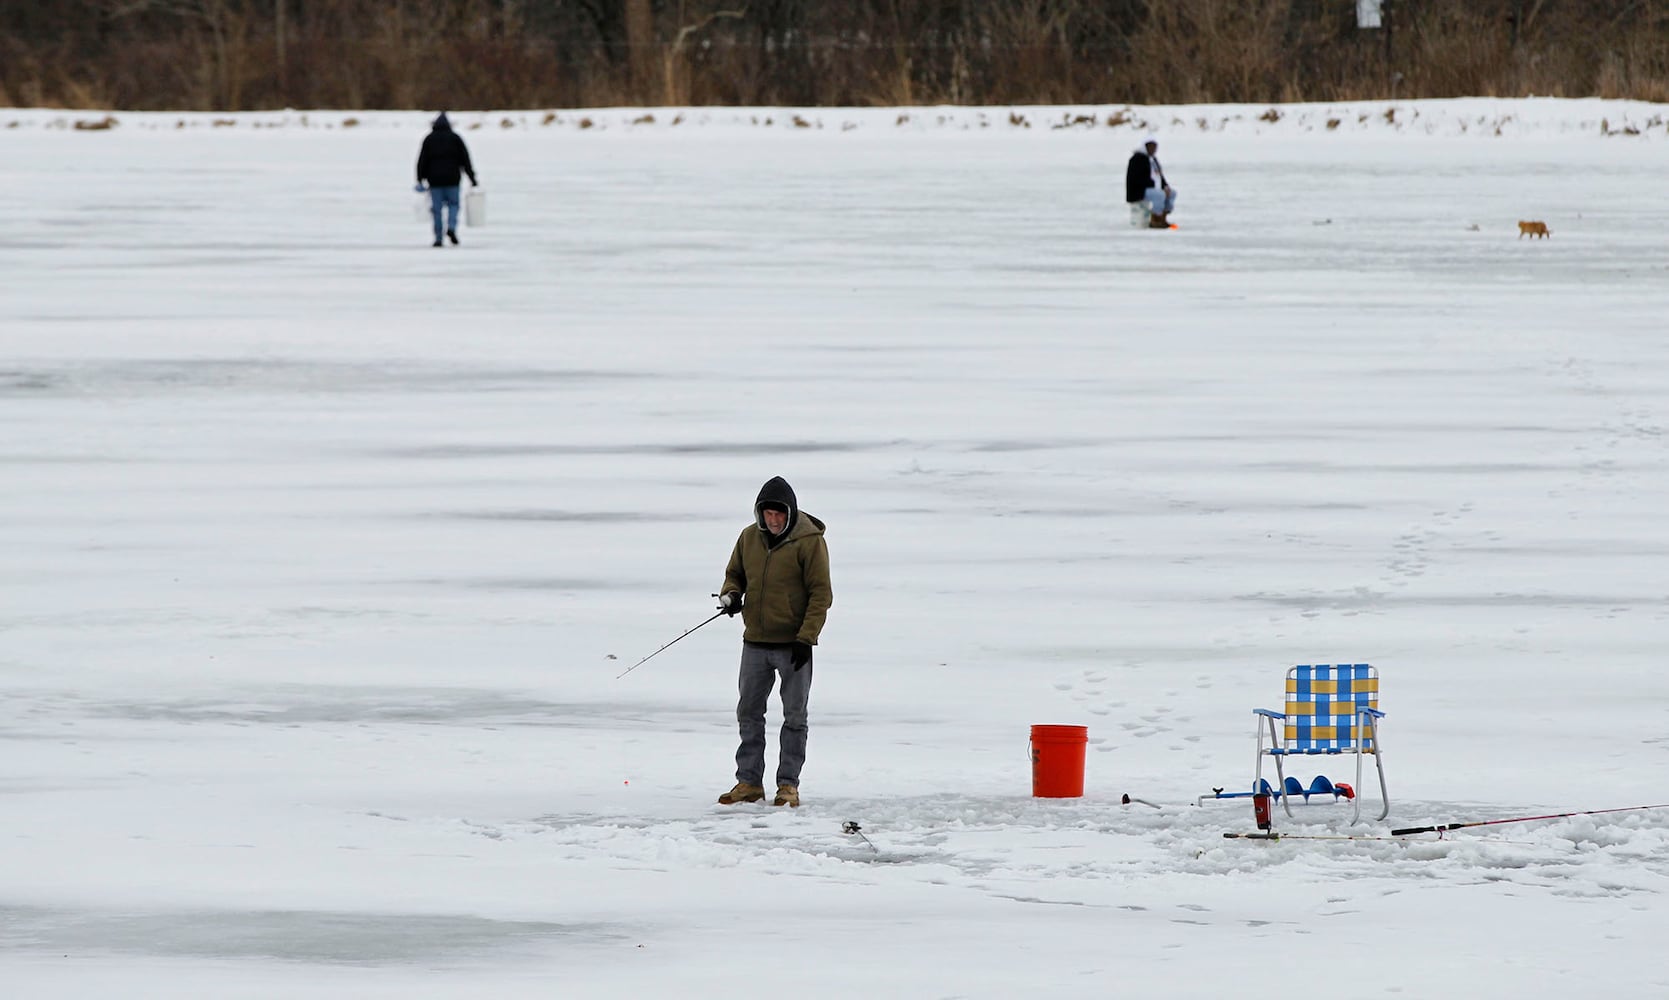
[(1479, 117)]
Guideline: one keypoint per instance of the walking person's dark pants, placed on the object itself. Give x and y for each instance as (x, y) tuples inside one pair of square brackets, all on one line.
[(444, 200)]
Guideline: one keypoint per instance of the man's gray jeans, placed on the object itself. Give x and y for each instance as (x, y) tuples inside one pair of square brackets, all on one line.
[(760, 667)]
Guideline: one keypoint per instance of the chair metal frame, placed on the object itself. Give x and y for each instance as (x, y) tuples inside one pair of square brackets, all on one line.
[(1360, 735)]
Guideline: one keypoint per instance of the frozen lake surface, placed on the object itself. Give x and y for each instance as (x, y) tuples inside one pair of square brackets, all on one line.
[(325, 550)]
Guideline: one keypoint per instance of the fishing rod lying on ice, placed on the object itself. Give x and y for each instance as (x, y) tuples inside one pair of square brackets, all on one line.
[(1439, 828), (1277, 835)]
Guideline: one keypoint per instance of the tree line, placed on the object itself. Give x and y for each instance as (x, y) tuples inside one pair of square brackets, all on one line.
[(260, 54)]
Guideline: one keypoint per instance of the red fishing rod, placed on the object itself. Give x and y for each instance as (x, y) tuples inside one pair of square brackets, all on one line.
[(1277, 835), (1441, 827)]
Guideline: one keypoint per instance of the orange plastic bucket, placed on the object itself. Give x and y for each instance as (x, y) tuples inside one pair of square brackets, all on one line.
[(1058, 761)]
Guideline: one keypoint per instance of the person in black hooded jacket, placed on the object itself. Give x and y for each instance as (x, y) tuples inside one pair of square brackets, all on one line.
[(1144, 181), (441, 164), (778, 579)]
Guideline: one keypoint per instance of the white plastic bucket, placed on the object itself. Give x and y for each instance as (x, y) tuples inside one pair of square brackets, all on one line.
[(420, 208), (475, 207), (1139, 214)]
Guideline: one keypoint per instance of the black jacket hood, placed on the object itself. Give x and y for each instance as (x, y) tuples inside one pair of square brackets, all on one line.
[(777, 491)]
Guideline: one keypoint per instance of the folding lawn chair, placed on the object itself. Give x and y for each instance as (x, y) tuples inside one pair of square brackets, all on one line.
[(1329, 710)]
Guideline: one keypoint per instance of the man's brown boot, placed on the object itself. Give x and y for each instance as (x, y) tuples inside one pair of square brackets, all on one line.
[(787, 795), (743, 792), (1158, 221)]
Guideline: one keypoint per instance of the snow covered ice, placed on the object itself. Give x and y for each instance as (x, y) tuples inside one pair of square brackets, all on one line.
[(325, 550)]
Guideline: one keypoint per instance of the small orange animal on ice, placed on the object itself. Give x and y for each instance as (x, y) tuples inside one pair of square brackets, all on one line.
[(1533, 229)]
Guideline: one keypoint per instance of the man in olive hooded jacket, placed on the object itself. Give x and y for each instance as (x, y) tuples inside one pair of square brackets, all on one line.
[(778, 578)]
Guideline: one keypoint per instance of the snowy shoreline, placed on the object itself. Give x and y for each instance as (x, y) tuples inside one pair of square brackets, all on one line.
[(1474, 117)]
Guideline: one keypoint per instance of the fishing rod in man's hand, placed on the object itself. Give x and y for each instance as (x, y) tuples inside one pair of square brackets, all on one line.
[(720, 614)]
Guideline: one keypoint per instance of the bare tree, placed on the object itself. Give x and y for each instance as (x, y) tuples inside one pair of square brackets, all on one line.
[(675, 84), (281, 43), (640, 46)]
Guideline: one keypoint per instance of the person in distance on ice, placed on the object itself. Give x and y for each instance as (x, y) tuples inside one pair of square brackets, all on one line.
[(440, 165), (778, 578), (1145, 181)]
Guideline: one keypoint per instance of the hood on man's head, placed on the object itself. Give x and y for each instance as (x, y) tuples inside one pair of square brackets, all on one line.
[(776, 493), (443, 123), (1151, 140)]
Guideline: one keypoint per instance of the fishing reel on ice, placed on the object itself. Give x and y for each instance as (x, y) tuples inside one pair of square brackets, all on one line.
[(851, 828)]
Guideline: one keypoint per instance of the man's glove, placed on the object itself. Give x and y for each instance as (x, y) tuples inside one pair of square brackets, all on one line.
[(800, 654), (421, 187), (730, 602)]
